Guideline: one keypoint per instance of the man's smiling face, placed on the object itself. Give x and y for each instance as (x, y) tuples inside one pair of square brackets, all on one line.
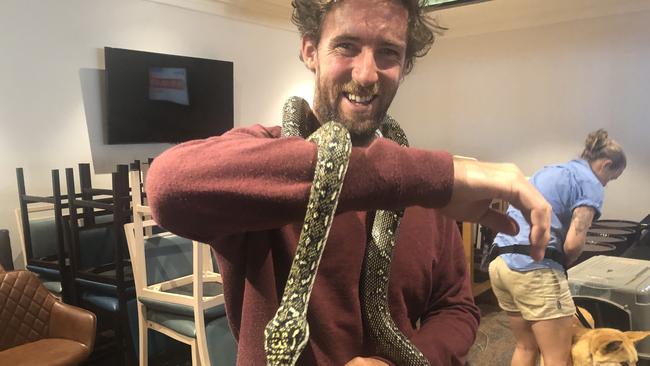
[(358, 63)]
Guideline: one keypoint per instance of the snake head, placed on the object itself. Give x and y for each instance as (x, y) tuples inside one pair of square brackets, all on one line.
[(284, 338)]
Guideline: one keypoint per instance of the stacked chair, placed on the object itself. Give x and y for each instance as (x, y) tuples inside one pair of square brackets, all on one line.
[(76, 247), (43, 236), (179, 294), (36, 328), (99, 262)]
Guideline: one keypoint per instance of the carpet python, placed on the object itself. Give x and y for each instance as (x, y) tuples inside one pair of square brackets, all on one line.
[(286, 335)]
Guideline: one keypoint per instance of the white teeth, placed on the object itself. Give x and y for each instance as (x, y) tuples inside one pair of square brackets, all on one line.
[(359, 99)]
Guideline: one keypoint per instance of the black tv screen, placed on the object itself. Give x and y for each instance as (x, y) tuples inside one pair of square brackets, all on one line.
[(153, 97)]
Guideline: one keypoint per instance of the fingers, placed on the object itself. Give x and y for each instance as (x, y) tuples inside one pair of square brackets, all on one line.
[(539, 228), (537, 212), (499, 222), (537, 251), (475, 181), (539, 232)]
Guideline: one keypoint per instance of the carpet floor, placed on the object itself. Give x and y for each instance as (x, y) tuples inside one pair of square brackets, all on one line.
[(494, 341)]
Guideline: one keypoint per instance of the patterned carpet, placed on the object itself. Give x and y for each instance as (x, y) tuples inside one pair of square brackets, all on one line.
[(494, 342)]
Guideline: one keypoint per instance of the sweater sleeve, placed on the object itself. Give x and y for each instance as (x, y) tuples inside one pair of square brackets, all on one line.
[(250, 179), (448, 329)]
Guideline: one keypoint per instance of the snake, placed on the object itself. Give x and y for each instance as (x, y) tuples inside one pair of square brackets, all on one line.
[(287, 333)]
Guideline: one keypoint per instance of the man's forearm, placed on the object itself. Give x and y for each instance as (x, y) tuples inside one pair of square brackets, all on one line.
[(250, 180)]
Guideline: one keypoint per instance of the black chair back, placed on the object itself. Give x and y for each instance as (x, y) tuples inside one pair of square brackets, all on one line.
[(44, 239), (99, 258), (6, 258)]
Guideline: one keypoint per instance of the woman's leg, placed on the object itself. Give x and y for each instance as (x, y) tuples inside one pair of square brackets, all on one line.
[(526, 349), (554, 339), (533, 295)]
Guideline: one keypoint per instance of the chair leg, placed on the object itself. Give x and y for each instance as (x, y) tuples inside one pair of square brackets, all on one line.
[(120, 351), (195, 354), (202, 347), (124, 345), (129, 351), (201, 337), (143, 332)]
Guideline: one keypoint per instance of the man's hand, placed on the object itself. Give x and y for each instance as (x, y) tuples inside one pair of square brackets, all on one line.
[(363, 361), (477, 183)]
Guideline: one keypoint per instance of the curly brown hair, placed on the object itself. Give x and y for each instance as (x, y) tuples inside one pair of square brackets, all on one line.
[(308, 16)]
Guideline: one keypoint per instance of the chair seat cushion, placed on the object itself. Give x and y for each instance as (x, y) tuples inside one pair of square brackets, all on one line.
[(222, 346), (44, 272), (51, 352), (51, 278), (182, 310), (53, 286), (103, 301), (182, 324), (102, 287)]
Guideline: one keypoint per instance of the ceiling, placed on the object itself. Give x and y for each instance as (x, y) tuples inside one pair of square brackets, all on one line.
[(500, 15), (475, 18), (273, 13)]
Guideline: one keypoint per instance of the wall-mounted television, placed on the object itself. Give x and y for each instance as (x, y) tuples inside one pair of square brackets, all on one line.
[(153, 97)]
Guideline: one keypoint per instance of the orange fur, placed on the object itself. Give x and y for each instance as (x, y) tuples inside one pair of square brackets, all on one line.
[(603, 346)]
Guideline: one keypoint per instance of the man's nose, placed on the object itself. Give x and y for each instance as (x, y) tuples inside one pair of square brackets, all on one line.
[(365, 71)]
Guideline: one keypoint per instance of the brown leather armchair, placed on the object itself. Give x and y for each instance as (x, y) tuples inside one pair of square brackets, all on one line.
[(36, 328)]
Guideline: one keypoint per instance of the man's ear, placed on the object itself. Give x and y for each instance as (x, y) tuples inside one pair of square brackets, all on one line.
[(309, 53)]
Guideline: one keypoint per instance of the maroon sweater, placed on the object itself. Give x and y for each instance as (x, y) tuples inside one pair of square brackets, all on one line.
[(245, 193)]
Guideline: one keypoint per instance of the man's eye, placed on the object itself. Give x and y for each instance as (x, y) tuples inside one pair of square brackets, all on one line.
[(346, 49), (390, 52)]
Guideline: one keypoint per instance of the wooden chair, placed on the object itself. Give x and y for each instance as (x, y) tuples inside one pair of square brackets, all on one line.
[(178, 295)]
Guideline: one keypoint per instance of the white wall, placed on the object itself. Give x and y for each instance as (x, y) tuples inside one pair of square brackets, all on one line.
[(51, 73), (531, 96)]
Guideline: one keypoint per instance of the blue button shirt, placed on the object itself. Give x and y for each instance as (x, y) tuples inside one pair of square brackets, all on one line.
[(565, 186)]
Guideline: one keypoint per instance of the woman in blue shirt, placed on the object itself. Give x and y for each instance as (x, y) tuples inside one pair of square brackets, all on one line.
[(536, 294)]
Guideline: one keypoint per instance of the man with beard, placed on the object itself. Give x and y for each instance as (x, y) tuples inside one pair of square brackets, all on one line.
[(245, 193)]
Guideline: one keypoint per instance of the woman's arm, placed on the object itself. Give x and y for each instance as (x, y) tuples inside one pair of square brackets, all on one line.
[(577, 234)]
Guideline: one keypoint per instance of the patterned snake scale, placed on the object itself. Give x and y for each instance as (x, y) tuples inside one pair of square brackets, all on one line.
[(286, 335)]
